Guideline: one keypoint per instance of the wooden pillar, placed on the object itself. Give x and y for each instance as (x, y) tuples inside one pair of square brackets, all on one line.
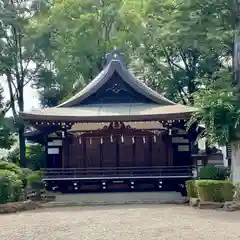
[(117, 151), (169, 150), (101, 154), (150, 142), (84, 152), (134, 152), (65, 151), (46, 152)]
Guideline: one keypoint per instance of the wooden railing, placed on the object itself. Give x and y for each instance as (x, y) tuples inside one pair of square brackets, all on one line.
[(121, 172)]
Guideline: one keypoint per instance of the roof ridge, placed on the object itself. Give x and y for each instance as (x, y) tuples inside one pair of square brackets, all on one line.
[(115, 63)]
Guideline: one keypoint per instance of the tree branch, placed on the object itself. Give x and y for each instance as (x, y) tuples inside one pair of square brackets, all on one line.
[(184, 60)]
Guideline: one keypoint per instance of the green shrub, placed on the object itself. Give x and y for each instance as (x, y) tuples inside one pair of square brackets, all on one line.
[(35, 178), (11, 186), (4, 165), (227, 190), (5, 189), (191, 189), (26, 171), (211, 171), (35, 156), (215, 190)]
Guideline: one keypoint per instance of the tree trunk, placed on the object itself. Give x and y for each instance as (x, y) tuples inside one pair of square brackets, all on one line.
[(235, 157), (235, 146), (22, 145)]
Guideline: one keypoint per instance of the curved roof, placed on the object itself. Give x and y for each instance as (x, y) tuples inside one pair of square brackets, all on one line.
[(115, 65), (112, 112), (75, 109)]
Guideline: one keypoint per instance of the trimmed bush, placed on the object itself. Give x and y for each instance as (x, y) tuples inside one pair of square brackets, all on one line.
[(34, 177), (4, 165), (10, 186), (215, 190), (17, 187), (5, 189), (191, 189), (211, 171)]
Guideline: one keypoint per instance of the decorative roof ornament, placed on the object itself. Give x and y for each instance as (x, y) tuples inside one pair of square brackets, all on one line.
[(114, 55)]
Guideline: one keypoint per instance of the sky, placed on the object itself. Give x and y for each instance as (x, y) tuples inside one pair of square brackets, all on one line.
[(30, 97)]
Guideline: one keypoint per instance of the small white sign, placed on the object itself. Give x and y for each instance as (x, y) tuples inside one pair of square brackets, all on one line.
[(183, 148), (57, 142), (53, 150)]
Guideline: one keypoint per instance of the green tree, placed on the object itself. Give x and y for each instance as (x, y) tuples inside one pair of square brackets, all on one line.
[(6, 136), (17, 55), (35, 156), (184, 44), (73, 36)]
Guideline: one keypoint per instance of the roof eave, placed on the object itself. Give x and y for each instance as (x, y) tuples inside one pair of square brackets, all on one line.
[(158, 117)]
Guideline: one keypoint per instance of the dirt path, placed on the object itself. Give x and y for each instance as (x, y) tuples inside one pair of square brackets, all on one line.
[(127, 222)]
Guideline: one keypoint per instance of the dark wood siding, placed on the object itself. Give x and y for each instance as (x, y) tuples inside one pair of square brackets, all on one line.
[(93, 156), (132, 150), (109, 156), (126, 152), (159, 154)]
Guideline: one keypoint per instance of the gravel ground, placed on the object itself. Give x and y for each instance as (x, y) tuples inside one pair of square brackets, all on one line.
[(127, 222)]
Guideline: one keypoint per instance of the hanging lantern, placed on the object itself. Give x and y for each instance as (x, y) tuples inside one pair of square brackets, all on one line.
[(122, 138), (63, 134), (154, 138), (144, 140), (111, 138), (133, 140), (90, 141), (101, 140), (80, 140)]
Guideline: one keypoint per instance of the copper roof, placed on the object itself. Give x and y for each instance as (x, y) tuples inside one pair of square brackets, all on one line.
[(105, 75), (72, 109), (111, 112)]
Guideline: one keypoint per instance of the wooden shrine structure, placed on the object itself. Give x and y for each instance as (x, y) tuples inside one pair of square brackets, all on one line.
[(116, 132)]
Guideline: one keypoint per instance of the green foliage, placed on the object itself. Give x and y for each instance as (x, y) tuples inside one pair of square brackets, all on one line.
[(35, 179), (210, 171), (214, 190), (35, 156), (10, 186), (84, 31), (6, 136), (13, 168), (218, 109), (191, 189), (184, 43), (20, 173), (5, 189)]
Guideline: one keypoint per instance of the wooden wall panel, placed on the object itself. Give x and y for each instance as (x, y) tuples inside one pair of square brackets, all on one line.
[(93, 158), (126, 152), (142, 152), (159, 152), (109, 157)]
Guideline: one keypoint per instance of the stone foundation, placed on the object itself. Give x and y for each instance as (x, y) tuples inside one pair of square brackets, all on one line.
[(18, 206)]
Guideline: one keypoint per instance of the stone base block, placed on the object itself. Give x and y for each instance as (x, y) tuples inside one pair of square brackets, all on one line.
[(210, 205)]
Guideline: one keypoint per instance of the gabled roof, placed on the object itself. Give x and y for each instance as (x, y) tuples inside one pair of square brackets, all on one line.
[(116, 65), (151, 106)]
